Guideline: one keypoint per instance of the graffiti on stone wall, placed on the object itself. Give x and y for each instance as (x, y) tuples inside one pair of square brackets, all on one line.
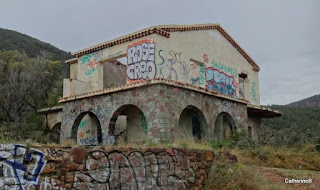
[(56, 154), (253, 91), (224, 68), (21, 164), (91, 61), (220, 82), (140, 170), (143, 122), (141, 61)]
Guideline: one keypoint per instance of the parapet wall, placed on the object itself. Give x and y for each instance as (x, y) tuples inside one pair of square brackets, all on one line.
[(102, 167)]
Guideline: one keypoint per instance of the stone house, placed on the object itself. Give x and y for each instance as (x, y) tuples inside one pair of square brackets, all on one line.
[(161, 83)]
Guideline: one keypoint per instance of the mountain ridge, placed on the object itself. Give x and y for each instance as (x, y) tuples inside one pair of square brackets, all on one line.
[(310, 102), (33, 47)]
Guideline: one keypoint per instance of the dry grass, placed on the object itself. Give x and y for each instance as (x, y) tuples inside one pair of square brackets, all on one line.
[(288, 158), (227, 176)]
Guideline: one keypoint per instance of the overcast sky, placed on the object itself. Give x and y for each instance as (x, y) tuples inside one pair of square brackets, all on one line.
[(282, 36)]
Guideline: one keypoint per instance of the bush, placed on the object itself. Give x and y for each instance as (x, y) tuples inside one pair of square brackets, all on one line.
[(228, 176)]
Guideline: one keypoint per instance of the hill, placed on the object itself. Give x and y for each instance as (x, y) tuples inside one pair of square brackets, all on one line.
[(313, 101), (12, 40), (295, 127)]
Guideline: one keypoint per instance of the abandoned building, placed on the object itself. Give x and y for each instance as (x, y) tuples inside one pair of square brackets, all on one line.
[(162, 83)]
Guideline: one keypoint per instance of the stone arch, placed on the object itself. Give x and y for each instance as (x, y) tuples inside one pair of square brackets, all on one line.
[(128, 123), (192, 123), (224, 126), (86, 129), (55, 132)]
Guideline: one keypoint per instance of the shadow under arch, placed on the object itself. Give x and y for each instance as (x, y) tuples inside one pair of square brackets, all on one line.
[(192, 123), (86, 129), (55, 132), (128, 123), (224, 126)]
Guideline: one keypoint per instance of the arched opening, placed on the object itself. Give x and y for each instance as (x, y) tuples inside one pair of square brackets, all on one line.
[(86, 129), (128, 124), (191, 123), (55, 133), (224, 126)]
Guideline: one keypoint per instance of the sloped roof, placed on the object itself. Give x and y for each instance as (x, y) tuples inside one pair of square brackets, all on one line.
[(165, 31), (50, 110)]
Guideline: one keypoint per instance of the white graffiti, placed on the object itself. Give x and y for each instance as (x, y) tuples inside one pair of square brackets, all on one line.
[(141, 61)]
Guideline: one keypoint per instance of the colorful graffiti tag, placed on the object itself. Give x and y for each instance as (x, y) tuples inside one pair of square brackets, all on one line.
[(21, 163), (220, 82), (141, 61), (91, 61), (253, 91), (202, 74), (224, 68)]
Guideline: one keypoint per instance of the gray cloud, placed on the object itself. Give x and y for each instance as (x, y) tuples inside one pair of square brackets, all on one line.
[(282, 36)]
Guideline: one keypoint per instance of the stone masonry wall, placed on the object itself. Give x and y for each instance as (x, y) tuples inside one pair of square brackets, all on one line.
[(101, 168), (161, 105)]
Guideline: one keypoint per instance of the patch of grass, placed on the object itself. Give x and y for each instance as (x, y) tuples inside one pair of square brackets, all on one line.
[(227, 176), (283, 157)]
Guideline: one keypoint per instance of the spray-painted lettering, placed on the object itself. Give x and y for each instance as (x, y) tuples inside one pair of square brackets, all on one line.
[(220, 82), (141, 61), (226, 69), (24, 165), (253, 91)]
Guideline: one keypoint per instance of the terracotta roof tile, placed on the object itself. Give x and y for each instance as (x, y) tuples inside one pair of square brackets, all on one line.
[(71, 61), (50, 109)]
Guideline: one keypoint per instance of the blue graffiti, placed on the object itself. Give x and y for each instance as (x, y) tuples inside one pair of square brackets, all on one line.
[(21, 160), (91, 140), (220, 82)]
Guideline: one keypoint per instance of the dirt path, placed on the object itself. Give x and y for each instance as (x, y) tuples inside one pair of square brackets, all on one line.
[(274, 175)]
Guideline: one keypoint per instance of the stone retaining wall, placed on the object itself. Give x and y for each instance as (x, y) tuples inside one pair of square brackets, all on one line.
[(103, 167)]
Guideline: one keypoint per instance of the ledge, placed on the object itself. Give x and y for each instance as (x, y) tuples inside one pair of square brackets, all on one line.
[(263, 111), (50, 110), (147, 83)]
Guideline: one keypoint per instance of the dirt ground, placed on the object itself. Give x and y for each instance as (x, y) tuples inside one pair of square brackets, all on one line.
[(276, 177)]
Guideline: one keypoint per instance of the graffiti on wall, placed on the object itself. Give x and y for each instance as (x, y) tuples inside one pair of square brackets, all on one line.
[(205, 58), (253, 91), (224, 68), (87, 133), (161, 65), (91, 62), (21, 163), (113, 55), (220, 82), (202, 74), (143, 122), (194, 73), (141, 61), (140, 170), (172, 67)]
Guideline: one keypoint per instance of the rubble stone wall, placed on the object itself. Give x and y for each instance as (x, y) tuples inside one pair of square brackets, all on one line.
[(161, 106), (102, 167)]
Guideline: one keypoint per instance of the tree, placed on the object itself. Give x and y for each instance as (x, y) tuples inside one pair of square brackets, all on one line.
[(26, 84)]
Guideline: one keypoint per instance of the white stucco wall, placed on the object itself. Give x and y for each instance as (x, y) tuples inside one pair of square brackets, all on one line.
[(212, 56)]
